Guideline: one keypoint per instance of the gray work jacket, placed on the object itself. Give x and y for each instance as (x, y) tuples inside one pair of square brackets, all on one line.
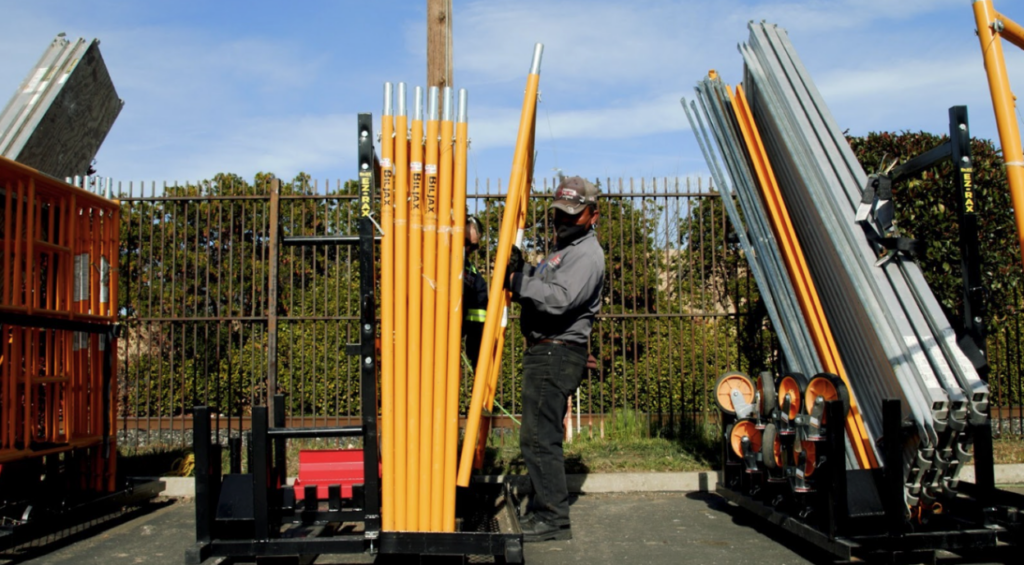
[(562, 295)]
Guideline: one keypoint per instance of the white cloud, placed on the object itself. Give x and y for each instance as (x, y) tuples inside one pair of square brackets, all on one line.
[(586, 43), (205, 95), (835, 16), (497, 127)]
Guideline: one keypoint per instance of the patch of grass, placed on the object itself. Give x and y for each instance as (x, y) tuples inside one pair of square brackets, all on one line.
[(629, 444), (1008, 449)]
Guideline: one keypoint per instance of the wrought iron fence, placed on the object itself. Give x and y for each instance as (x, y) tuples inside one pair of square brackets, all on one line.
[(679, 305)]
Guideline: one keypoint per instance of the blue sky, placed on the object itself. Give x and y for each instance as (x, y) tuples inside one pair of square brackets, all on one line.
[(244, 87)]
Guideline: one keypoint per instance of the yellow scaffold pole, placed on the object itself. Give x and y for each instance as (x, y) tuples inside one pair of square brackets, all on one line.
[(428, 300), (401, 285), (991, 27), (442, 312), (453, 372), (499, 347), (505, 242), (415, 310), (387, 282)]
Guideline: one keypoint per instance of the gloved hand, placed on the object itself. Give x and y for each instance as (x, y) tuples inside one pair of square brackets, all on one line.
[(516, 264)]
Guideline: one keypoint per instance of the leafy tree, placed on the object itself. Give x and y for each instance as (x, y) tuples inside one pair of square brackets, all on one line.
[(194, 289)]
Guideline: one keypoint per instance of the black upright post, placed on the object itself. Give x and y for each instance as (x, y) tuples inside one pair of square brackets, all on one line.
[(892, 428), (109, 341), (838, 511), (973, 342), (273, 248), (201, 448), (970, 255), (368, 329), (280, 474), (258, 468)]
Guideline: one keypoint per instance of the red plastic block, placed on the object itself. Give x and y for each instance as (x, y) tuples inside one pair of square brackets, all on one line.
[(325, 467)]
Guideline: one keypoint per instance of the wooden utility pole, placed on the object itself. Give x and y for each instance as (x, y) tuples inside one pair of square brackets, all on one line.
[(439, 43)]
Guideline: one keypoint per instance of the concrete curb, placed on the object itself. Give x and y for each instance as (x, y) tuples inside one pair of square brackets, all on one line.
[(697, 481)]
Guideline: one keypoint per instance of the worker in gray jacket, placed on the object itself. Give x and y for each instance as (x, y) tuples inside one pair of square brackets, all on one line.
[(560, 298)]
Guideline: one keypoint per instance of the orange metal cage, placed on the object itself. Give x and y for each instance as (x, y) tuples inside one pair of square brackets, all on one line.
[(59, 260), (59, 247)]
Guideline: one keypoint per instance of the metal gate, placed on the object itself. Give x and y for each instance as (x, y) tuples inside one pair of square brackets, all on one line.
[(679, 305)]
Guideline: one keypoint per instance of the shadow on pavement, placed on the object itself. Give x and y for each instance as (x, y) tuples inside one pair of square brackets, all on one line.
[(51, 541), (745, 519)]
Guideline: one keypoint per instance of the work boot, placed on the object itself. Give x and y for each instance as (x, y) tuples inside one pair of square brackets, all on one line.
[(536, 529)]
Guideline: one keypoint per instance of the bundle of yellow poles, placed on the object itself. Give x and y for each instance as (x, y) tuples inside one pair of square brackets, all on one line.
[(498, 299), (423, 216)]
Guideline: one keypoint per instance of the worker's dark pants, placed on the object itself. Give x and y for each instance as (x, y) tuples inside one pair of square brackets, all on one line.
[(551, 372)]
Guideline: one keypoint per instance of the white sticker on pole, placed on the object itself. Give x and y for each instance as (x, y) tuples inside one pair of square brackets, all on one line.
[(81, 290), (416, 167), (80, 341), (104, 280), (431, 169), (504, 317), (519, 239)]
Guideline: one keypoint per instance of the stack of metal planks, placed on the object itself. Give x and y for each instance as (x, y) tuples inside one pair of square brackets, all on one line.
[(62, 111), (820, 247)]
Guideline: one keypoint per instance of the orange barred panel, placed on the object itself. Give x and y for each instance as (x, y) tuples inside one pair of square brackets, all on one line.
[(58, 247)]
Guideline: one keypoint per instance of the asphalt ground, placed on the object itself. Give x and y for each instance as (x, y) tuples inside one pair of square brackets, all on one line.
[(646, 528)]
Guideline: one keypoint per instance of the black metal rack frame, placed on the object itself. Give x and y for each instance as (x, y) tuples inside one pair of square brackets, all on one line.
[(256, 513), (981, 518), (860, 513)]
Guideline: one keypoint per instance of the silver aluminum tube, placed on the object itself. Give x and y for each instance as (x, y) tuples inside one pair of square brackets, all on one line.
[(538, 54), (401, 100), (792, 323), (859, 356), (866, 284), (851, 179), (725, 189), (965, 374), (890, 300), (765, 245), (936, 364), (418, 103), (388, 99), (462, 115), (432, 103), (446, 106)]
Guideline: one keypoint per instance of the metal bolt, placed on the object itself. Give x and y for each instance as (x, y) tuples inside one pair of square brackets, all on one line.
[(368, 361), (977, 319), (965, 159), (364, 166), (366, 327), (963, 127)]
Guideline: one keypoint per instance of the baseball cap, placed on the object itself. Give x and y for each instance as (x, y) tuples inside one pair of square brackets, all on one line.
[(574, 194)]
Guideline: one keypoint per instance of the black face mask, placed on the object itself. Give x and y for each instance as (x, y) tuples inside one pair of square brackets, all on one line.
[(471, 248), (570, 233)]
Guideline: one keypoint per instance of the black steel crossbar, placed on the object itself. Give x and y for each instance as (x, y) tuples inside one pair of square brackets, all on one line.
[(312, 433), (349, 543), (50, 323)]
